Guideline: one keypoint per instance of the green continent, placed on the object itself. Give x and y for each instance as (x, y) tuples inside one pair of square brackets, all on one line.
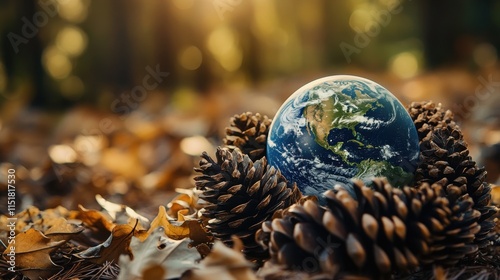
[(338, 111), (394, 174)]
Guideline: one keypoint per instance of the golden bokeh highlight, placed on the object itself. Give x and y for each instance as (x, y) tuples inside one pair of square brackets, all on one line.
[(404, 65), (266, 19), (195, 145), (74, 11), (191, 58), (359, 20), (56, 63), (224, 46), (62, 154), (72, 40)]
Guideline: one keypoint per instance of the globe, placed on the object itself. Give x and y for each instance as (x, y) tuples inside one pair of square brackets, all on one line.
[(342, 127)]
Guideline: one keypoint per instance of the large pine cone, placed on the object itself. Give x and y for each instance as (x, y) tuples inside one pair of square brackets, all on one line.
[(386, 230), (248, 132), (444, 159), (241, 194)]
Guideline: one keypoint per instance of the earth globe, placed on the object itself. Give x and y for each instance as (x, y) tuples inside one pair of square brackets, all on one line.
[(338, 128)]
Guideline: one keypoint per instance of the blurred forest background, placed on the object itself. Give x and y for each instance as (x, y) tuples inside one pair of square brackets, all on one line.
[(121, 97)]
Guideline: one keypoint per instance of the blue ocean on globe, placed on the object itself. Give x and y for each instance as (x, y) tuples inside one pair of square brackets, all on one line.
[(338, 128)]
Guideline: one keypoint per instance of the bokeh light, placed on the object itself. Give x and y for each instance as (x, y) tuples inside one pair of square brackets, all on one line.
[(72, 40), (360, 19), (56, 63), (404, 65), (73, 10), (191, 58), (62, 154), (196, 145), (223, 44)]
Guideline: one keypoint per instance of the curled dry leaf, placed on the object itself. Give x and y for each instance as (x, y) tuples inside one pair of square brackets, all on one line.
[(122, 214), (116, 244), (94, 219), (173, 231), (185, 226), (32, 256), (186, 199), (223, 263), (157, 253)]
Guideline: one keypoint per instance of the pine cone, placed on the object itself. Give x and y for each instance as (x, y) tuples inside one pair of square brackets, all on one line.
[(248, 132), (241, 194), (445, 160), (427, 115), (386, 230)]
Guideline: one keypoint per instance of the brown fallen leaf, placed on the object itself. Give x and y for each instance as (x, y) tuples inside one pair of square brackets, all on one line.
[(223, 263), (122, 214), (94, 219), (153, 272), (117, 243), (158, 250), (173, 231), (185, 226), (33, 250), (186, 199), (197, 232), (32, 217), (61, 229)]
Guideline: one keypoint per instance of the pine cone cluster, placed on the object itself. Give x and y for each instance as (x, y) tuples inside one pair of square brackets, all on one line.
[(241, 194), (445, 160), (248, 132), (386, 230)]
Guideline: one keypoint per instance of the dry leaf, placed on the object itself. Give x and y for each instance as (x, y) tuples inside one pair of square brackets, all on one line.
[(61, 229), (223, 263), (122, 214), (186, 199), (33, 250), (94, 219), (197, 232), (185, 226), (173, 231), (32, 217), (153, 272), (116, 244), (158, 250)]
